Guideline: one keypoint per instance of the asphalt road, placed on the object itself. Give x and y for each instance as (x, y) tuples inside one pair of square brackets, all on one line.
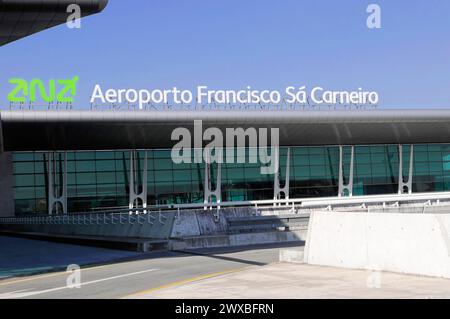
[(131, 278)]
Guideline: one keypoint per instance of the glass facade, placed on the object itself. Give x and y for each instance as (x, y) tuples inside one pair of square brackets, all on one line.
[(100, 179)]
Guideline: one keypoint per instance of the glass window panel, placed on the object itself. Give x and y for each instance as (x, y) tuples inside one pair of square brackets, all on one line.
[(163, 176), (85, 166), (24, 180), (182, 175), (40, 179), (300, 160), (317, 151), (421, 148), (104, 155), (71, 167), (161, 154), (420, 156), (106, 178), (85, 156), (24, 193), (163, 163), (254, 174), (434, 148), (363, 170), (378, 170), (377, 150), (23, 157), (86, 190), (300, 151), (164, 187), (71, 190), (317, 160), (317, 172), (105, 165), (362, 150), (85, 178), (435, 157), (106, 189), (24, 168), (39, 167), (71, 179), (378, 158), (25, 206), (362, 158), (40, 192)]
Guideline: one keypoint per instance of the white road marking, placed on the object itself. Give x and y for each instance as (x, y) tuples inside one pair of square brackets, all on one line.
[(23, 293)]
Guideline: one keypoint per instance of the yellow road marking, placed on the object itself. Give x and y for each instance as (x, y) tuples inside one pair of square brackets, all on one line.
[(184, 281)]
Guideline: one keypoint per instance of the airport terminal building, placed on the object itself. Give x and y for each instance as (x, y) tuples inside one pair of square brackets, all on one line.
[(68, 162)]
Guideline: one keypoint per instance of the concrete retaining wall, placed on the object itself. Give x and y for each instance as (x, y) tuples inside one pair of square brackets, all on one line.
[(234, 240), (188, 229), (404, 243), (205, 222)]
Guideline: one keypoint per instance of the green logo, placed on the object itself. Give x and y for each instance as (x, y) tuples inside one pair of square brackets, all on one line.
[(62, 91)]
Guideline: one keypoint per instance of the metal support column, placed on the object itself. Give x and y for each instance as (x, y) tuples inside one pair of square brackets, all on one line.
[(134, 188), (349, 186), (209, 192), (57, 194), (278, 190), (405, 187)]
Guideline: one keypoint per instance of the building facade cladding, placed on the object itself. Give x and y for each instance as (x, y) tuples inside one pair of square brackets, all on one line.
[(100, 179)]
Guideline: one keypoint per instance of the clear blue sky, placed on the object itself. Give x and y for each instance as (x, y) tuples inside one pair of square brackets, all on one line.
[(233, 43)]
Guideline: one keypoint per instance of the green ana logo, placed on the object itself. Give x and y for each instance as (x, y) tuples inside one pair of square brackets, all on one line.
[(62, 91)]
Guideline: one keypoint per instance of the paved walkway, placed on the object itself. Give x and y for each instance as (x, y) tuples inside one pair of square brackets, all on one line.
[(20, 256), (284, 280)]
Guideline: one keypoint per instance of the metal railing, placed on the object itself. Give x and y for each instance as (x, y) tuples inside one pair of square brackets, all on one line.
[(151, 215), (140, 217), (324, 201)]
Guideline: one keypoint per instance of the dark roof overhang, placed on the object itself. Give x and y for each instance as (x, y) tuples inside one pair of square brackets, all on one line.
[(106, 130), (21, 18)]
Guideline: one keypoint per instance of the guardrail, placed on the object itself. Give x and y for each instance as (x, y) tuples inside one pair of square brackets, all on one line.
[(294, 202), (91, 219), (150, 215), (324, 201)]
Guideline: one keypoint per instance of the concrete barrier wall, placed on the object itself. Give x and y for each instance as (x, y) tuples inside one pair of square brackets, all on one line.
[(404, 243)]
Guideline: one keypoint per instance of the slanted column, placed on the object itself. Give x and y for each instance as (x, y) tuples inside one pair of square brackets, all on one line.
[(57, 194), (278, 190), (349, 186), (134, 193), (405, 187), (209, 192)]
